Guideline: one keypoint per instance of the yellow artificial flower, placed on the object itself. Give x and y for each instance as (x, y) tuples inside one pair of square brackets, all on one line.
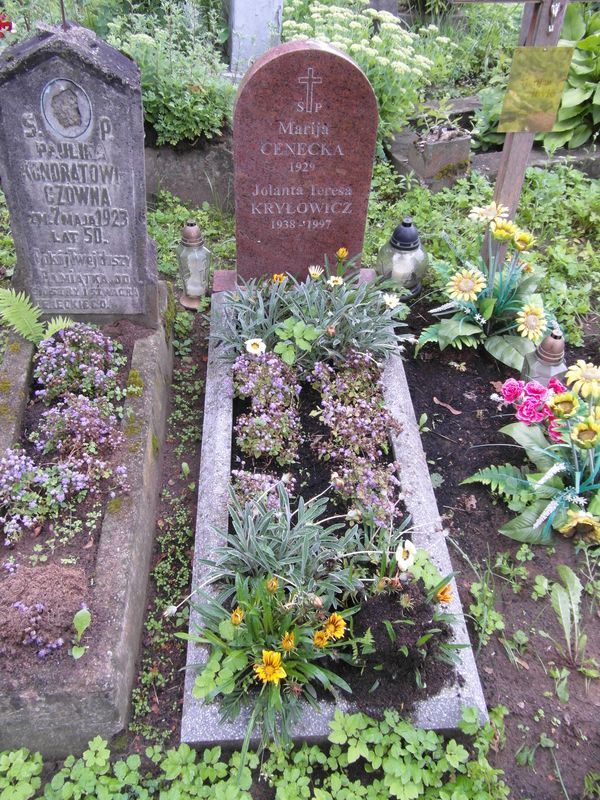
[(335, 627), (585, 378), (586, 434), (444, 595), (488, 213), (581, 522), (288, 641), (523, 240), (278, 277), (320, 639), (466, 284), (237, 616), (502, 229), (315, 271), (255, 347), (342, 253), (272, 585), (335, 281), (531, 322), (563, 405), (270, 671)]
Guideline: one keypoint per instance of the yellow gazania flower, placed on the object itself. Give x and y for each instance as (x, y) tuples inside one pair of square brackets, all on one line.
[(531, 322), (335, 627), (270, 671), (278, 277), (342, 253), (320, 639), (288, 641), (255, 347), (563, 405), (466, 284), (444, 595), (335, 280), (581, 522), (315, 272), (585, 378), (502, 229), (272, 585), (487, 213), (237, 616), (586, 434), (523, 240)]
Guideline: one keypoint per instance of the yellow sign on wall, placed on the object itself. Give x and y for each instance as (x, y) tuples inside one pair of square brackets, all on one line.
[(537, 80)]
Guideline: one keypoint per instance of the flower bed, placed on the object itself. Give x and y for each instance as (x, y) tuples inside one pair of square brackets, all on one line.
[(76, 547), (293, 610)]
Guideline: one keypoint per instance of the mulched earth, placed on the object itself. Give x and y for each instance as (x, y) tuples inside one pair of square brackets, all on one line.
[(456, 446)]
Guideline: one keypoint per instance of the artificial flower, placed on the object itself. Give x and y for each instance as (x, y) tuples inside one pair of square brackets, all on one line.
[(564, 405), (466, 284), (585, 378), (5, 25), (523, 240), (342, 253), (556, 386), (487, 213), (335, 280), (270, 670), (255, 346), (502, 229), (391, 301), (512, 390), (405, 555), (444, 595), (581, 522), (586, 434), (278, 277), (335, 627), (554, 431), (288, 641), (237, 616), (531, 322), (320, 639), (535, 390), (529, 411), (315, 271), (272, 585)]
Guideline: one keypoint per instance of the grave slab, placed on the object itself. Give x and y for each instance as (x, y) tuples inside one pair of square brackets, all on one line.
[(201, 725), (72, 169), (304, 131)]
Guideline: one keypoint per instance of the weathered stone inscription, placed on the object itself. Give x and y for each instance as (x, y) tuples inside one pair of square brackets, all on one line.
[(304, 136), (74, 178)]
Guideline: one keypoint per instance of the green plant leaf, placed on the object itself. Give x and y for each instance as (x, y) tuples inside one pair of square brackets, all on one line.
[(17, 310), (559, 597), (77, 651), (533, 441), (486, 306), (521, 527), (510, 350), (81, 621), (574, 588)]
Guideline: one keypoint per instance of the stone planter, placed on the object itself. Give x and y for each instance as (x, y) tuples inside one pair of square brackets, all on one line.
[(437, 162), (92, 697), (201, 725)]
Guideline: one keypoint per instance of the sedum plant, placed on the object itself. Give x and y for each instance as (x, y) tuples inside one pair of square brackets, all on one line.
[(559, 429), (492, 301)]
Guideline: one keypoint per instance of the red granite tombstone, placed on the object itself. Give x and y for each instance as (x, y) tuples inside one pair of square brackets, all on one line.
[(304, 133)]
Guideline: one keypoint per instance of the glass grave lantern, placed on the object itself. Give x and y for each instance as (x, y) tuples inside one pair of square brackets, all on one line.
[(403, 260), (194, 263)]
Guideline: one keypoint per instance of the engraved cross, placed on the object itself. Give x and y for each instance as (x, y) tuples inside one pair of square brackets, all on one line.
[(310, 80)]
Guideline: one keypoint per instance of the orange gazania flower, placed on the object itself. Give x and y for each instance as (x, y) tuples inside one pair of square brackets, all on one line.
[(272, 585), (320, 639), (278, 277), (270, 670), (237, 616), (335, 627), (288, 641), (444, 595), (342, 253)]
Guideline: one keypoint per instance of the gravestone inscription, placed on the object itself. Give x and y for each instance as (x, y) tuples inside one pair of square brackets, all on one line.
[(304, 131), (72, 168)]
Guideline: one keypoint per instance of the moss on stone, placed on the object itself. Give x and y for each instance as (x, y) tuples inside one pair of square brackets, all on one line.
[(14, 346), (114, 505), (135, 384), (131, 425), (170, 312), (155, 444), (5, 411), (5, 385)]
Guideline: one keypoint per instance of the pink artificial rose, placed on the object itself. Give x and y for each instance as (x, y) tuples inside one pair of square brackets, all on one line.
[(556, 386), (528, 411), (512, 390), (536, 391), (553, 431)]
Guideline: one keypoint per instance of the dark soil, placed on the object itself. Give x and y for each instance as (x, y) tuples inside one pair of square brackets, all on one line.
[(457, 445)]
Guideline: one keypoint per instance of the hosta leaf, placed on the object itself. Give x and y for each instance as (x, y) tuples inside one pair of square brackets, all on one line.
[(590, 42), (580, 135), (576, 95), (574, 24), (510, 350)]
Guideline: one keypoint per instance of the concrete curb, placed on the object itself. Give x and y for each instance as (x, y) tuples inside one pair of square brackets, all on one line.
[(93, 698), (201, 724), (15, 376)]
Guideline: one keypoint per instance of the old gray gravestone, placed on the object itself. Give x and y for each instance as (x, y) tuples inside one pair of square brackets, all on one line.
[(72, 168)]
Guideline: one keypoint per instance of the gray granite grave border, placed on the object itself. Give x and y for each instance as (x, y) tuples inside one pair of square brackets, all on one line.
[(15, 374), (201, 724), (92, 698)]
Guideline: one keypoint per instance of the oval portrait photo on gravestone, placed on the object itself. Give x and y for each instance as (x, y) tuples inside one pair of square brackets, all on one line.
[(66, 108)]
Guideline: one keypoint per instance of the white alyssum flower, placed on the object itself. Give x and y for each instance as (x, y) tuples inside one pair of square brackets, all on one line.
[(405, 555), (255, 346)]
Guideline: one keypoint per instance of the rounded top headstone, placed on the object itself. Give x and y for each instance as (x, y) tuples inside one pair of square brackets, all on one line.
[(305, 126)]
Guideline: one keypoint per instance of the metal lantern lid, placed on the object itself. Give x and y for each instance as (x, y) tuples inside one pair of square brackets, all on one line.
[(551, 350), (191, 235), (406, 236)]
